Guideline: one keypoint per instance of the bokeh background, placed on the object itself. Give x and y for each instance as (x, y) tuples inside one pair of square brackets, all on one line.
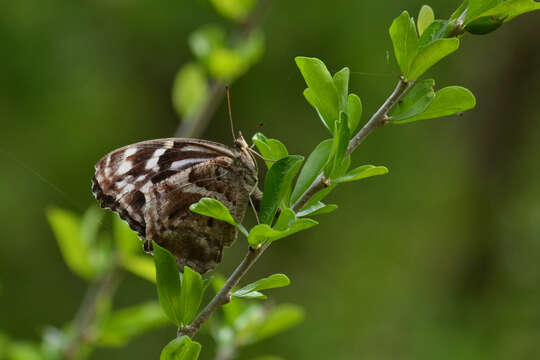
[(437, 260)]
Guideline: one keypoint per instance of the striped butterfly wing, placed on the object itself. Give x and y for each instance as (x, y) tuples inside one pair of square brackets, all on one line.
[(151, 185)]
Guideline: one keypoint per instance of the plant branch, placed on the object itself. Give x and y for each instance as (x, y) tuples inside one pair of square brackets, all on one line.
[(379, 118), (97, 294), (223, 296)]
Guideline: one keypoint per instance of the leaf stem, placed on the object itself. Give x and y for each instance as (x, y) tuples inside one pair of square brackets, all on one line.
[(379, 118)]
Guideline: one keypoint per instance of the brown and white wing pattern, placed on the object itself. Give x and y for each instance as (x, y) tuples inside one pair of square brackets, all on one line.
[(152, 184)]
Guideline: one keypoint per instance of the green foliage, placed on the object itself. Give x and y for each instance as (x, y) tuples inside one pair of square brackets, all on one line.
[(318, 208), (448, 101), (182, 348), (168, 284), (271, 149), (361, 172), (426, 16), (215, 209), (277, 186), (312, 168), (78, 241), (191, 294), (405, 40), (337, 157), (251, 291), (415, 102), (122, 325), (263, 233)]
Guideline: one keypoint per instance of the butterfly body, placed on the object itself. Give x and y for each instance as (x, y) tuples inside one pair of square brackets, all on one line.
[(152, 184)]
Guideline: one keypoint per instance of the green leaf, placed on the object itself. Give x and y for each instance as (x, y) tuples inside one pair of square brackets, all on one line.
[(271, 149), (405, 41), (262, 233), (312, 168), (75, 251), (484, 25), (286, 219), (448, 101), (354, 111), (236, 10), (206, 40), (322, 93), (213, 208), (182, 348), (271, 282), (361, 172), (168, 284), (277, 186), (190, 90), (127, 240), (318, 208), (509, 9), (278, 320), (425, 17), (191, 294), (142, 266), (431, 54), (125, 324), (439, 29), (341, 82), (415, 102), (339, 146), (459, 11), (24, 350), (477, 7)]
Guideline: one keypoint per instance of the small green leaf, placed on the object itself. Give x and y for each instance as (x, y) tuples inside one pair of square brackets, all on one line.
[(182, 348), (213, 208), (439, 29), (142, 266), (459, 11), (431, 54), (339, 146), (415, 102), (312, 168), (425, 17), (484, 25), (277, 186), (207, 39), (341, 82), (125, 324), (354, 111), (236, 10), (322, 93), (509, 9), (262, 233), (477, 7), (191, 294), (75, 251), (270, 149), (190, 90), (448, 101), (361, 172), (286, 219), (405, 41), (271, 282), (168, 284), (318, 208)]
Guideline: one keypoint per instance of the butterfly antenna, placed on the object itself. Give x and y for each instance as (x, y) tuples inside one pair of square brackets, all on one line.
[(230, 112)]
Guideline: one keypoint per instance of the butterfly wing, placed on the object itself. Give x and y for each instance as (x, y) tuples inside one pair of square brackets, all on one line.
[(151, 185)]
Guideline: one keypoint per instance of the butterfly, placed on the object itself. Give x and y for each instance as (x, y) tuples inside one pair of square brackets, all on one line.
[(151, 185)]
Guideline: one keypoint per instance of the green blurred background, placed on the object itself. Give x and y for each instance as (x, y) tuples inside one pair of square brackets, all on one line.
[(437, 260)]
